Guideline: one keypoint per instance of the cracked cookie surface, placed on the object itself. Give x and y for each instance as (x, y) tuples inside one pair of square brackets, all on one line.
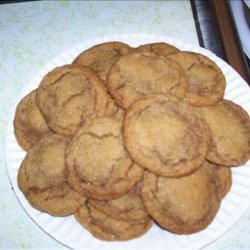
[(185, 204), (107, 228), (42, 181), (205, 81), (70, 94), (102, 56), (29, 123), (230, 131), (166, 136), (137, 74), (128, 207), (97, 163)]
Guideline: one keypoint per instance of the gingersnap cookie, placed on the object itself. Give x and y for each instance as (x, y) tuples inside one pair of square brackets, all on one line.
[(42, 181), (104, 227), (128, 207), (230, 129), (97, 163), (137, 74), (205, 81), (224, 176), (102, 56), (161, 49), (182, 205), (166, 136), (70, 94), (29, 124)]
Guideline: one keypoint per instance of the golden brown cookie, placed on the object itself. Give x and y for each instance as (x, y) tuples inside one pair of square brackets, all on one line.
[(161, 49), (182, 205), (206, 82), (230, 129), (224, 176), (70, 94), (102, 56), (106, 228), (42, 181), (97, 164), (165, 136), (29, 124), (137, 74), (128, 207)]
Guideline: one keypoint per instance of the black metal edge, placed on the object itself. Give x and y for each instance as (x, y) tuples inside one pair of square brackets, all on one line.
[(17, 1), (207, 28)]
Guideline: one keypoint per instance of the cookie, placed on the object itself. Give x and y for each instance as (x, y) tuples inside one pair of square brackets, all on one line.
[(206, 82), (70, 94), (166, 136), (97, 164), (29, 124), (128, 207), (224, 176), (42, 181), (161, 49), (182, 205), (137, 74), (230, 129), (102, 56), (103, 227)]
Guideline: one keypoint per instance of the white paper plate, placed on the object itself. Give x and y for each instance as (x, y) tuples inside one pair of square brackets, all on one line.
[(70, 233)]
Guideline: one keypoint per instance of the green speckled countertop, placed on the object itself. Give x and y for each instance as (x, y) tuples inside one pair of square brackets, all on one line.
[(33, 33)]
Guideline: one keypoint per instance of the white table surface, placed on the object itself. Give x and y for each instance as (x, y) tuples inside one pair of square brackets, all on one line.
[(33, 33)]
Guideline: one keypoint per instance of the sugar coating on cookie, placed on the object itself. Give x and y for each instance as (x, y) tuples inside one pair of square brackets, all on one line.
[(185, 204), (42, 181), (97, 163), (230, 130), (102, 56), (107, 228), (205, 81), (165, 136), (70, 94), (137, 74), (29, 123), (128, 207), (161, 49)]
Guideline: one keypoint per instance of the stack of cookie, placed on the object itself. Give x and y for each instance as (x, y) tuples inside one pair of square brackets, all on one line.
[(126, 136)]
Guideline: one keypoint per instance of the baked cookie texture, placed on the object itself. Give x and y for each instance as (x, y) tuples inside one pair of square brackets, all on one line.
[(70, 94), (160, 49), (102, 56), (97, 163), (182, 205), (29, 123), (128, 207), (42, 181), (230, 131), (104, 227), (205, 81), (137, 74), (166, 136)]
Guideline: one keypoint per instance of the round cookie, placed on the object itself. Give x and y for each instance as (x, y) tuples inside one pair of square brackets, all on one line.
[(206, 82), (137, 74), (69, 95), (42, 181), (230, 129), (161, 49), (182, 205), (128, 207), (166, 136), (29, 124), (106, 228), (102, 56), (97, 163)]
